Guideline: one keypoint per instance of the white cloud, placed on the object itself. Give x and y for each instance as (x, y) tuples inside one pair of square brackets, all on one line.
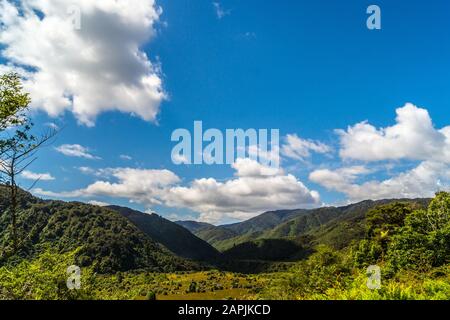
[(140, 185), (251, 168), (86, 170), (47, 193), (95, 69), (339, 179), (76, 150), (422, 181), (180, 159), (413, 140), (220, 11), (300, 149), (180, 217), (125, 157), (36, 176), (254, 189), (98, 203), (413, 137)]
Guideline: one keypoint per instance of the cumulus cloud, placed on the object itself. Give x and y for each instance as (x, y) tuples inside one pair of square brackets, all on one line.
[(251, 168), (413, 140), (255, 188), (141, 185), (76, 150), (422, 181), (301, 149), (36, 176), (413, 137), (96, 68), (339, 179)]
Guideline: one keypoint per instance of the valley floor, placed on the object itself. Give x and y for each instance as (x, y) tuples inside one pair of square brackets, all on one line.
[(46, 278)]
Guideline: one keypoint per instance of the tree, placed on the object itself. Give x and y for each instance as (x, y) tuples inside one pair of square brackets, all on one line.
[(383, 223), (14, 101), (325, 269), (383, 220), (18, 146), (438, 214), (17, 154), (424, 241)]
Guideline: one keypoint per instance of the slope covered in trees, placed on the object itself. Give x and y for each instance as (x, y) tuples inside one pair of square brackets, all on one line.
[(106, 240), (268, 250), (173, 236), (409, 243), (288, 224)]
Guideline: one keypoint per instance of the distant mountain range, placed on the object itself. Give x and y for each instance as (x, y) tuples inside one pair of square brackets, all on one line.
[(117, 238), (335, 226)]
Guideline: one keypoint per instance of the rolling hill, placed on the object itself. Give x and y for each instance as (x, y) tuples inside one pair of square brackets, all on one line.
[(327, 224), (173, 236), (105, 238)]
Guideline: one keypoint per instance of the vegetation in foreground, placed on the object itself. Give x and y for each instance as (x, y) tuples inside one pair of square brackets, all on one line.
[(411, 246)]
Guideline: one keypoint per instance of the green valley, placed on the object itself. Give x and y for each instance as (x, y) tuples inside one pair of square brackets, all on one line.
[(301, 254)]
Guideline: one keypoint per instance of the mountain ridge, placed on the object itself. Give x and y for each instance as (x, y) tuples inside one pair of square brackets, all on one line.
[(173, 236), (281, 224), (102, 237)]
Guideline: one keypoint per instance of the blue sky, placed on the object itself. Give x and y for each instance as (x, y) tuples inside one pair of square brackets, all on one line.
[(304, 67)]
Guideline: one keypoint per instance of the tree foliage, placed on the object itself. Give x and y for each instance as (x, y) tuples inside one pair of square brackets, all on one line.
[(14, 101)]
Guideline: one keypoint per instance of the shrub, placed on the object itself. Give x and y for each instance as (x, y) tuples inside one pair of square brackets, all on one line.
[(150, 296)]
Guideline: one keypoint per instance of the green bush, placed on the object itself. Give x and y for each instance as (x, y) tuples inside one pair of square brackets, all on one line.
[(151, 296)]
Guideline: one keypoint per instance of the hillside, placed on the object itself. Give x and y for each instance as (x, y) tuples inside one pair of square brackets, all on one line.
[(265, 221), (325, 224), (194, 226), (268, 250), (119, 239), (410, 244), (107, 241), (173, 236)]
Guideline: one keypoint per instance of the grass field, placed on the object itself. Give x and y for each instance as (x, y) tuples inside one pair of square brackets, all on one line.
[(211, 285), (207, 285)]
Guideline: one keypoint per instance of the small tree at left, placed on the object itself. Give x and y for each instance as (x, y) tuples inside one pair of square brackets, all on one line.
[(18, 146)]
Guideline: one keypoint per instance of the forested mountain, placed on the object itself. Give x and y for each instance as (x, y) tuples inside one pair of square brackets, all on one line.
[(118, 239), (173, 236), (106, 240), (194, 226), (326, 224), (269, 250)]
